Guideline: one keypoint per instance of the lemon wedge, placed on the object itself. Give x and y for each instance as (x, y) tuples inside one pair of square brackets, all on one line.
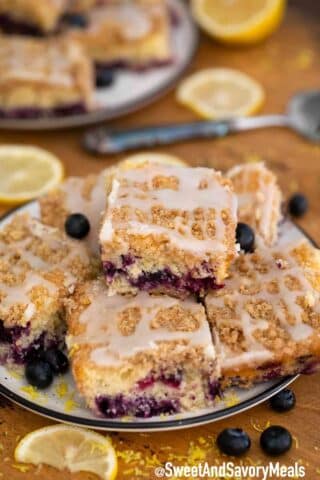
[(221, 93), (72, 448), (239, 22), (27, 172), (139, 159)]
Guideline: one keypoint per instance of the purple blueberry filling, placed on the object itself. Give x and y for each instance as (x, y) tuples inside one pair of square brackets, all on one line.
[(10, 25), (34, 113), (215, 389), (142, 407), (148, 281), (172, 380), (137, 68), (18, 354)]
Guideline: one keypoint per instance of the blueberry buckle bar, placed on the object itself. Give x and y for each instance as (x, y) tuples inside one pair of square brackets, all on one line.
[(259, 199), (140, 356), (38, 269), (85, 195), (266, 320), (31, 17), (168, 230), (126, 34), (43, 78)]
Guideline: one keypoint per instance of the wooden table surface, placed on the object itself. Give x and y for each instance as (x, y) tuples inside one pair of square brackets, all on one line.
[(288, 62)]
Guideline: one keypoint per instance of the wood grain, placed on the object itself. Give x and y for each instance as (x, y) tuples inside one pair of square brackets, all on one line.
[(289, 61)]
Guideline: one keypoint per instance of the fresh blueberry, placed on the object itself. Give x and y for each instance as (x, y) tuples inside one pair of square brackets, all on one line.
[(104, 78), (298, 205), (275, 440), (39, 373), (233, 441), (76, 20), (283, 401), (57, 360), (77, 226), (245, 237)]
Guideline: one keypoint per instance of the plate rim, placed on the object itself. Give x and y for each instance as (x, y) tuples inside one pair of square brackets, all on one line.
[(146, 426), (105, 114)]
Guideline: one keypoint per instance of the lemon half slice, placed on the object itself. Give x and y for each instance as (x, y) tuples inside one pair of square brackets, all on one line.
[(27, 172), (221, 93), (139, 159), (72, 448), (239, 21)]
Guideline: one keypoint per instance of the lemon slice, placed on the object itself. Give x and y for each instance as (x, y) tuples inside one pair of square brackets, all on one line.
[(221, 93), (26, 173), (138, 159), (71, 448), (239, 21)]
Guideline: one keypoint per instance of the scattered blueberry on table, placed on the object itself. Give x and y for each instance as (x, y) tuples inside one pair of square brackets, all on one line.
[(283, 401), (104, 78), (298, 205), (245, 237), (233, 441), (39, 373), (275, 440), (77, 226), (57, 360)]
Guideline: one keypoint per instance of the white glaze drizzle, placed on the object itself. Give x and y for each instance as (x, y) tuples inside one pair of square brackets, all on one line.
[(100, 322), (187, 197)]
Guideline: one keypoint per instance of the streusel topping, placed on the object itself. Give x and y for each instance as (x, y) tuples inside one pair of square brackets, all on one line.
[(120, 328), (266, 311), (192, 208)]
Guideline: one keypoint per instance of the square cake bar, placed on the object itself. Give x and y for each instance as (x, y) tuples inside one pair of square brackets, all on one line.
[(259, 199), (86, 195), (31, 16), (140, 356), (266, 320), (43, 78), (38, 270), (127, 34), (169, 230)]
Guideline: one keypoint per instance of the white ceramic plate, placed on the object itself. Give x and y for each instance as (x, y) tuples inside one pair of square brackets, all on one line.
[(131, 90), (61, 401)]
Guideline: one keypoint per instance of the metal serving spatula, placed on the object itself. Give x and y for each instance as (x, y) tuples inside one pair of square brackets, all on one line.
[(303, 116)]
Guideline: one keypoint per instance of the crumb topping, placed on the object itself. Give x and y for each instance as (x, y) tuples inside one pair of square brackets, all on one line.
[(265, 312)]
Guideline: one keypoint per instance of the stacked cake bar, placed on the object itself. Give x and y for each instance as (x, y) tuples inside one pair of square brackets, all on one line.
[(126, 34), (39, 268), (43, 78), (31, 16), (140, 356), (168, 230), (266, 320), (259, 199), (86, 195)]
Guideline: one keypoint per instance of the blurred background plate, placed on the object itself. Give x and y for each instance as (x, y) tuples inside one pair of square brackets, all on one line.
[(131, 90)]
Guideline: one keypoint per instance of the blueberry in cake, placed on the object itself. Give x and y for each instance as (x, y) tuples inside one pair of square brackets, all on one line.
[(140, 356), (43, 78), (266, 320), (126, 34), (39, 267), (84, 195), (33, 17), (169, 230), (259, 199)]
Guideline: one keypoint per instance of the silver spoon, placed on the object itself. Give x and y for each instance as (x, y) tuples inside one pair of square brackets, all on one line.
[(303, 116)]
